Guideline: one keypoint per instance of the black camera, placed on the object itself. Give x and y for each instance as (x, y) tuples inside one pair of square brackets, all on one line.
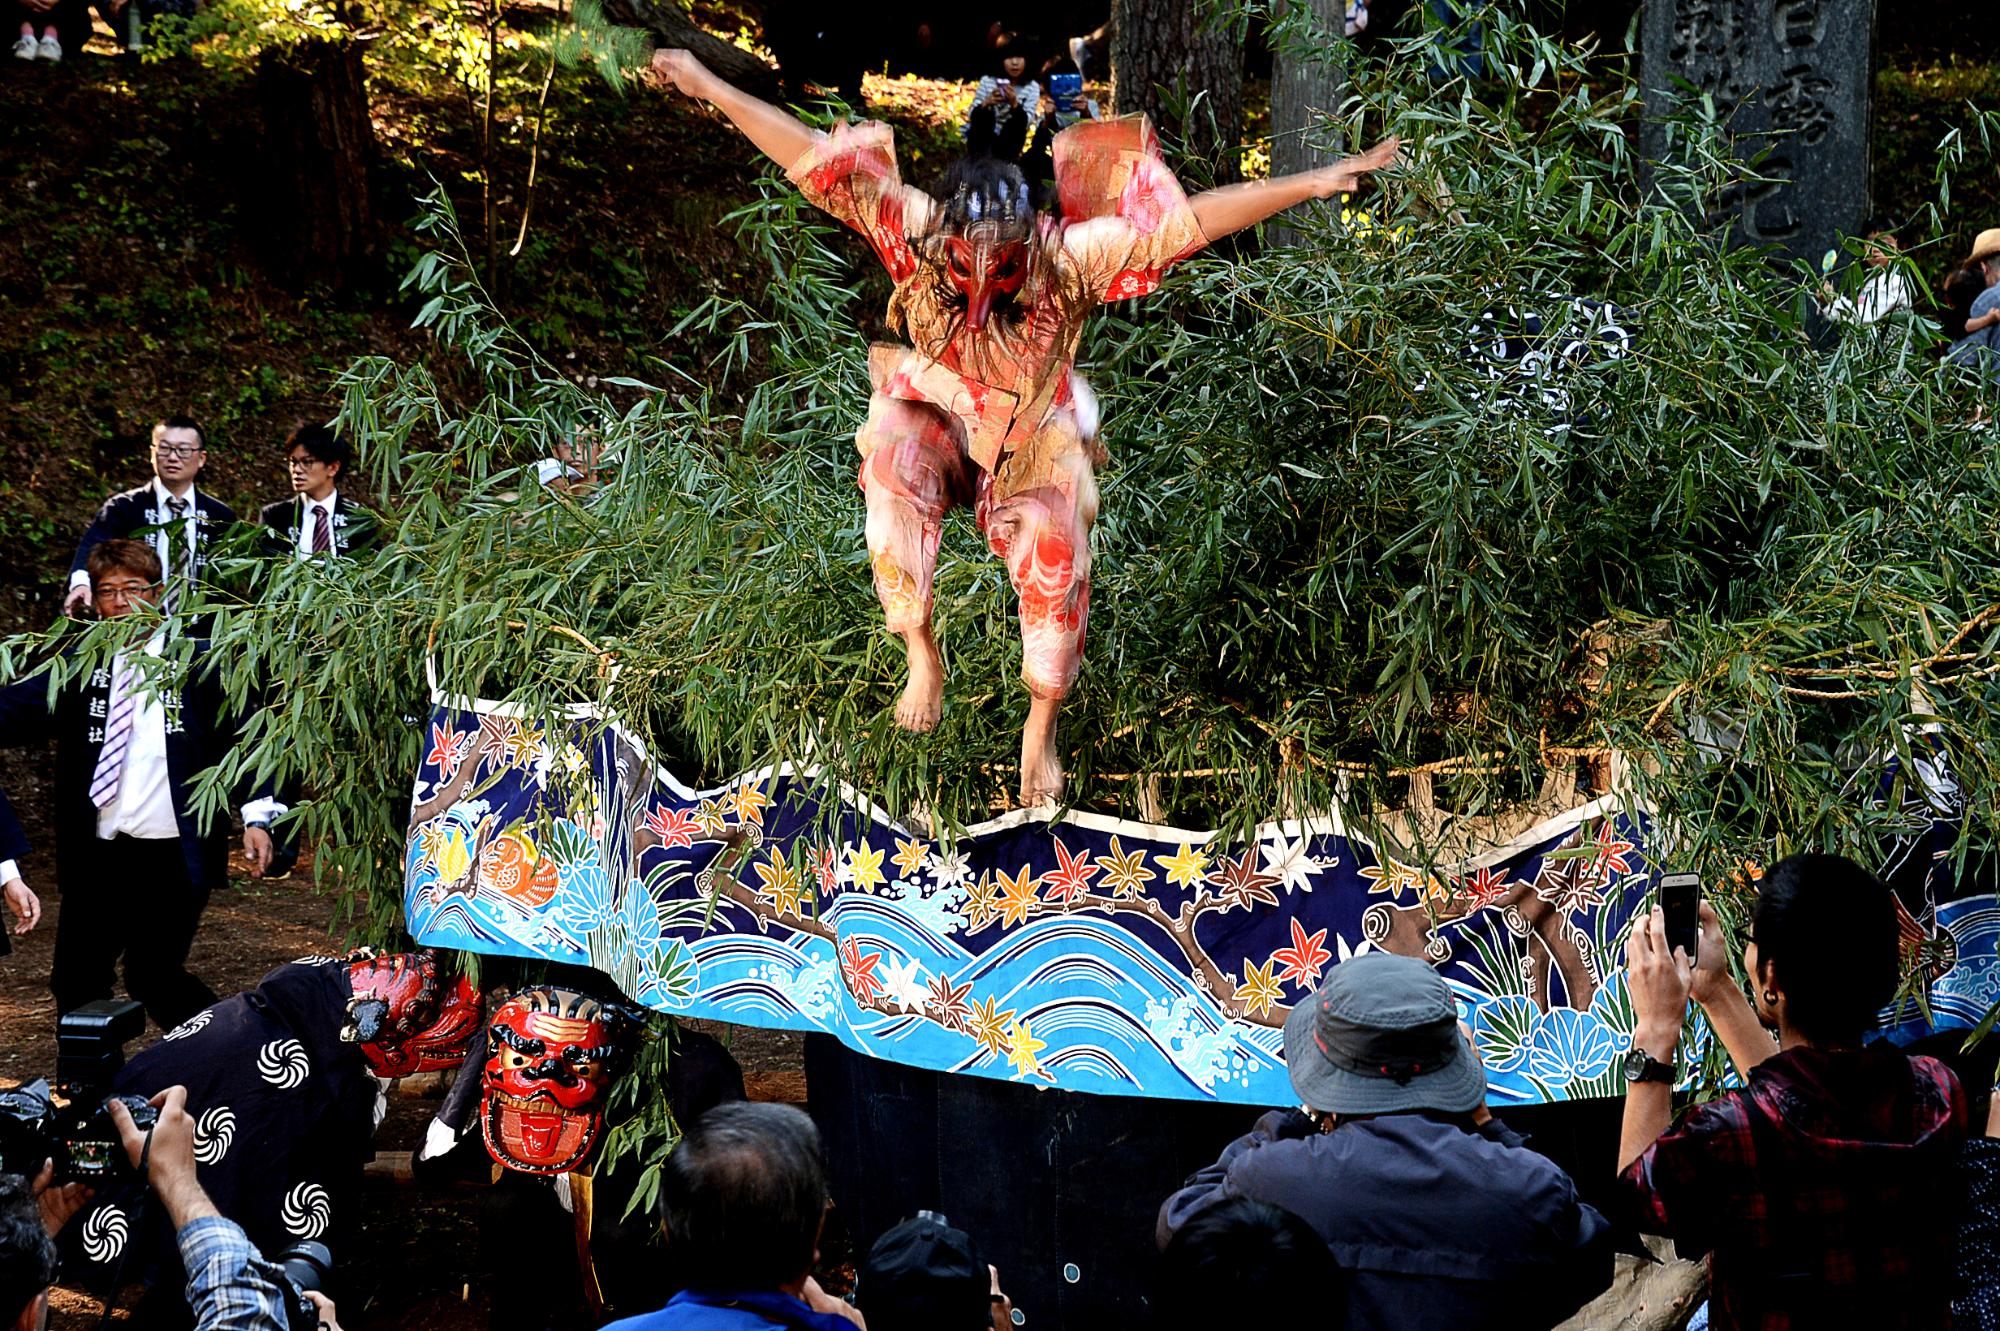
[(305, 1266), (71, 1124)]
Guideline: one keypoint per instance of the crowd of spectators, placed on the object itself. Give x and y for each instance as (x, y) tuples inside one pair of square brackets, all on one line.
[(1834, 1186)]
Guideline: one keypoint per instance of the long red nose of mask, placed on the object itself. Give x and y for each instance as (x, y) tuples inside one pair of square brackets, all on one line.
[(984, 272)]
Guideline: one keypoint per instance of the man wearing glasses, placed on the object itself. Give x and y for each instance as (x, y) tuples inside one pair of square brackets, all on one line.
[(180, 522), (319, 520), (136, 863)]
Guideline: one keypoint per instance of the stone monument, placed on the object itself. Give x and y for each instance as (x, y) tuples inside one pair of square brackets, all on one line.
[(1793, 76)]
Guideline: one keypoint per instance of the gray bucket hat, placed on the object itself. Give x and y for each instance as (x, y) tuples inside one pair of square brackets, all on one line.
[(1381, 1037)]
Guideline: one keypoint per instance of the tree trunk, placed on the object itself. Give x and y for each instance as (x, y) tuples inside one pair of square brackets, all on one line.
[(313, 194), (666, 20), (1307, 77), (1162, 57)]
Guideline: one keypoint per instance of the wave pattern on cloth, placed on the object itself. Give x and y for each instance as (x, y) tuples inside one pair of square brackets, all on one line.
[(1089, 953)]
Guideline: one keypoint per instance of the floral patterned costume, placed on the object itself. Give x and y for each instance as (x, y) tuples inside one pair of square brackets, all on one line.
[(989, 418)]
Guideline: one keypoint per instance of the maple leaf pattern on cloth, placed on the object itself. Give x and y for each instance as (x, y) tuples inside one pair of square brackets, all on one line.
[(447, 750), (1071, 879), (1569, 884), (749, 801), (1186, 867), (825, 868), (1303, 960), (674, 827), (1125, 872), (1238, 882), (523, 744), (903, 984), (858, 972), (1258, 990), (865, 865), (1608, 856), (1022, 1046), (982, 902), (946, 1002), (1486, 886), (910, 856), (989, 1025), (713, 815), (1391, 877), (781, 884), (1289, 862), (1018, 896)]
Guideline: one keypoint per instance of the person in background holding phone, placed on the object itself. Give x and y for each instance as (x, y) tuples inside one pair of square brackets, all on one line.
[(1825, 1190), (1003, 105), (1062, 105)]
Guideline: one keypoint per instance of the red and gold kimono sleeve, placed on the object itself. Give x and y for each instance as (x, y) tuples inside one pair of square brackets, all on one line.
[(1125, 217), (852, 175)]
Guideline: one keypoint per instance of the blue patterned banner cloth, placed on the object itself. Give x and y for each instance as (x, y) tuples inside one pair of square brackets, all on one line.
[(1088, 953)]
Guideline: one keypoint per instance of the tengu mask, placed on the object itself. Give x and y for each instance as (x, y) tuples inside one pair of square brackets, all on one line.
[(551, 1057), (985, 267), (402, 1017), (986, 224)]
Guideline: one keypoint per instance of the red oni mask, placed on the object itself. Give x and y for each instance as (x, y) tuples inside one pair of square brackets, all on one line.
[(403, 1019), (985, 265), (551, 1057)]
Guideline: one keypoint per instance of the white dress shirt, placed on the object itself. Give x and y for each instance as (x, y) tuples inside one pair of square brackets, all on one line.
[(304, 544), (1880, 296), (144, 805), (160, 539)]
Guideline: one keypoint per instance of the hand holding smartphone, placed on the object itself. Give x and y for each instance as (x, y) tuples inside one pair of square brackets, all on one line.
[(1680, 902)]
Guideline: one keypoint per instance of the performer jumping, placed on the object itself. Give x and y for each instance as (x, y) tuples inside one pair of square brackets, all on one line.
[(984, 409)]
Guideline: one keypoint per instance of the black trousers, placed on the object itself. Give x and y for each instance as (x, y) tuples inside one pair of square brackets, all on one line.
[(130, 898), (996, 132)]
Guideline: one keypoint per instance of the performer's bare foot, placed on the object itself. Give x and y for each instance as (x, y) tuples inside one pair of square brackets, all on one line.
[(923, 696), (1041, 773)]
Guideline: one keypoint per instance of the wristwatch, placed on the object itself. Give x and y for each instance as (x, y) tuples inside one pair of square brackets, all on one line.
[(1642, 1066)]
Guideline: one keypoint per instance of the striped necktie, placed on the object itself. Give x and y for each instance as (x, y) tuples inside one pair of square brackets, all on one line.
[(322, 530), (117, 734)]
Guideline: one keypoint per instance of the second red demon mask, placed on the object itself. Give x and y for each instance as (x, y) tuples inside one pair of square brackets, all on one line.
[(404, 1018)]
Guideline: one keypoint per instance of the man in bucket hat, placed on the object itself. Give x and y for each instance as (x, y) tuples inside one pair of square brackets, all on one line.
[(1977, 349), (1438, 1214)]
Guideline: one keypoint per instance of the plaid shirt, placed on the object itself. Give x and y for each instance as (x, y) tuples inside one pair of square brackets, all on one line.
[(230, 1285), (1825, 1192)]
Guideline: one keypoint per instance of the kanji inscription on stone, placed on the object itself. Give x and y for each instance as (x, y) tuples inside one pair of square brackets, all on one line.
[(1789, 76)]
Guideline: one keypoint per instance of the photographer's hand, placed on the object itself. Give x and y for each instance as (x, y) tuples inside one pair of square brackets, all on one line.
[(820, 1301), (327, 1322), (169, 1163), (58, 1205)]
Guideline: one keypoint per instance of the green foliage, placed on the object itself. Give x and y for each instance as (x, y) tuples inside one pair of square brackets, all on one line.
[(1330, 547), (616, 53)]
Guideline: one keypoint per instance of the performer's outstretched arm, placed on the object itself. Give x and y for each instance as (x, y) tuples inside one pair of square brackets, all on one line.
[(778, 134), (1233, 207)]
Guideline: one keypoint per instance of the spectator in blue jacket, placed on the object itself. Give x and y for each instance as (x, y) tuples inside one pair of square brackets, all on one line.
[(1436, 1214), (745, 1195)]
